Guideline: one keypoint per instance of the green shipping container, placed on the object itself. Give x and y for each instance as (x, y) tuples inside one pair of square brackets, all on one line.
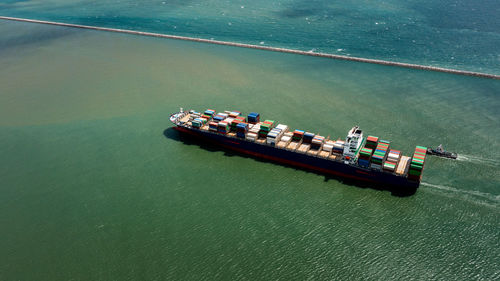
[(414, 173), (415, 167), (419, 161)]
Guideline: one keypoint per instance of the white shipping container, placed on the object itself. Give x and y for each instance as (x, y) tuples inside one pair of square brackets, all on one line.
[(282, 127), (251, 136), (392, 156), (327, 147)]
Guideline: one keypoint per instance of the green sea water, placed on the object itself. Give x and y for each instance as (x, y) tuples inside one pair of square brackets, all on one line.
[(95, 186)]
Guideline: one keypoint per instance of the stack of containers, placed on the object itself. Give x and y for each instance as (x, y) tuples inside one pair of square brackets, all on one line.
[(392, 160), (212, 126), (382, 149), (195, 114), (198, 122), (371, 142), (297, 135), (326, 149), (379, 154), (229, 121), (235, 121), (388, 143), (417, 163), (328, 146), (308, 137), (365, 155), (223, 127), (376, 161), (272, 136), (234, 124), (220, 116), (338, 147), (283, 128), (234, 114), (265, 128), (276, 134), (241, 130), (252, 133), (317, 142), (389, 166), (253, 118), (394, 155), (210, 112), (286, 137)]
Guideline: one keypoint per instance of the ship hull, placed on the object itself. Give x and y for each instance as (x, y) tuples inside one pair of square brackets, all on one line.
[(351, 174)]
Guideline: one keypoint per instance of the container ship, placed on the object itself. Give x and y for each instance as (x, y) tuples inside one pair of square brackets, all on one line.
[(368, 161)]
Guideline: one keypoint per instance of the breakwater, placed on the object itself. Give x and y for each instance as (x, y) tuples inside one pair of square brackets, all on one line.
[(266, 48)]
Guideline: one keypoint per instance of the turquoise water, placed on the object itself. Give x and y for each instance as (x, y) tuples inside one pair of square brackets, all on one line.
[(448, 33), (95, 186)]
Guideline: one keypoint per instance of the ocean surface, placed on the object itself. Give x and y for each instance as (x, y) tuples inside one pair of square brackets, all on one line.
[(95, 185), (462, 34)]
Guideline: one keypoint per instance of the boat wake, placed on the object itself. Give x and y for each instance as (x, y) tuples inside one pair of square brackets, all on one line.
[(485, 198), (478, 160)]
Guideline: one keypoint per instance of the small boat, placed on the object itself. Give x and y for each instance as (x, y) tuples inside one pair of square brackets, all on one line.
[(439, 151)]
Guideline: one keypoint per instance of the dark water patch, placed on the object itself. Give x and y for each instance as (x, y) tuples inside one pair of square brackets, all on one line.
[(316, 8), (27, 35), (10, 2), (471, 15)]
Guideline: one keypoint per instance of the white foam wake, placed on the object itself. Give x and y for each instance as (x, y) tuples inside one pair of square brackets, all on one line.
[(490, 198), (478, 160)]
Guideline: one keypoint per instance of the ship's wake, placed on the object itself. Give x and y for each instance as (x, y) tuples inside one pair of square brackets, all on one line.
[(478, 160), (471, 195)]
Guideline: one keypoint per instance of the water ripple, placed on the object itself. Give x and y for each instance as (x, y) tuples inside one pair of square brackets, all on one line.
[(485, 198)]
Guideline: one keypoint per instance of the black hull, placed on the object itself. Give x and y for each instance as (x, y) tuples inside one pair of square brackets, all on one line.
[(449, 155)]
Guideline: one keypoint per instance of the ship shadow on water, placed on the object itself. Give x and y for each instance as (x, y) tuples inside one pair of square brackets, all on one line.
[(171, 133)]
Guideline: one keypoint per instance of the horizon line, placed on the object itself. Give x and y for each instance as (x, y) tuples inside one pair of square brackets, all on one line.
[(265, 48)]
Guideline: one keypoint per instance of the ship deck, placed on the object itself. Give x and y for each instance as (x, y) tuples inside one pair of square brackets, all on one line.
[(299, 147)]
